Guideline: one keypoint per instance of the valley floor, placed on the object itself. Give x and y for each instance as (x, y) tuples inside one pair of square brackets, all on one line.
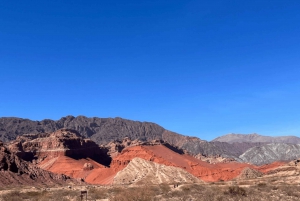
[(265, 188)]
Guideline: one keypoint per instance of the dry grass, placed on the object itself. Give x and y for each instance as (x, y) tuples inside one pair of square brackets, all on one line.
[(248, 190)]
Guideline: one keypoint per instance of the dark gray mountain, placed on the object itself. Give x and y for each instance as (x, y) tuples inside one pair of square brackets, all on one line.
[(101, 130), (232, 138), (235, 149), (104, 130), (270, 153)]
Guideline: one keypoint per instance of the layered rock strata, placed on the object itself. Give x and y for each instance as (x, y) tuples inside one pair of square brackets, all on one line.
[(140, 171), (15, 171)]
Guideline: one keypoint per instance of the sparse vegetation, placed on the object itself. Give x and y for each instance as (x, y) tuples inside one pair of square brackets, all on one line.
[(236, 191), (223, 191)]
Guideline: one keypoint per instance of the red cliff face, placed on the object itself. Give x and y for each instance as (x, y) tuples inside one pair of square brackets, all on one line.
[(64, 142), (15, 171)]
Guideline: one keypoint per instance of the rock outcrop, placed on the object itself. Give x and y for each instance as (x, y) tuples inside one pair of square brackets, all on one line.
[(295, 162), (249, 173), (112, 131), (162, 155), (100, 130), (140, 171), (115, 147), (231, 138), (15, 171), (106, 130), (270, 153), (39, 148)]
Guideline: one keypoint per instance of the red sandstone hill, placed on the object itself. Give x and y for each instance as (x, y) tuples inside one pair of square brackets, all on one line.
[(65, 152), (162, 155)]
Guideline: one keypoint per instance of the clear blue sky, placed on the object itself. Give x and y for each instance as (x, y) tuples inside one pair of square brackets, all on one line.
[(199, 68)]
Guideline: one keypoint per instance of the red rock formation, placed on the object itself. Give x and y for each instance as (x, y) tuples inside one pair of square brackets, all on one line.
[(62, 152), (66, 153), (162, 155), (269, 167), (15, 171), (115, 147), (64, 142)]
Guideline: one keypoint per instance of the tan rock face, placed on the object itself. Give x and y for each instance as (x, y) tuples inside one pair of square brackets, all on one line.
[(162, 155), (65, 152), (140, 171), (214, 159), (249, 173), (294, 162)]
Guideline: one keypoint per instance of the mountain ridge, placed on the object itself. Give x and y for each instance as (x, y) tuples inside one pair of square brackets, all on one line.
[(106, 130), (232, 137)]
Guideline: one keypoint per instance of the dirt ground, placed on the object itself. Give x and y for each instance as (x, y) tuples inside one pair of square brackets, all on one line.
[(264, 188)]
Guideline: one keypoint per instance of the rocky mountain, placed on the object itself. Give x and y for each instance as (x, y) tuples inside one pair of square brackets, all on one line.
[(15, 171), (140, 171), (106, 130), (37, 148), (66, 152), (270, 153), (255, 138), (100, 130), (110, 132), (223, 149), (161, 154)]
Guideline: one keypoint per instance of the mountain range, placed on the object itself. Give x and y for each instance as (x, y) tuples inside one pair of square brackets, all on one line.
[(232, 138), (239, 147), (83, 150)]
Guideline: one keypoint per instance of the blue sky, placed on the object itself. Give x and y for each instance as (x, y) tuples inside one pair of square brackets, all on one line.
[(199, 68)]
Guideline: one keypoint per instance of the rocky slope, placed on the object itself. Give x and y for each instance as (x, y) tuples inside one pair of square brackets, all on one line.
[(15, 171), (66, 152), (140, 171), (111, 132), (249, 173), (255, 138), (106, 130), (162, 155), (100, 130), (270, 153), (39, 148)]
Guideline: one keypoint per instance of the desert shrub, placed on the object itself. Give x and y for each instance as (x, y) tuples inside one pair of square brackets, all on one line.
[(199, 187), (33, 194), (261, 185), (115, 190), (173, 194), (186, 189), (29, 195), (290, 190), (244, 183), (64, 195), (95, 194), (11, 196), (164, 188), (236, 190), (143, 193), (273, 179)]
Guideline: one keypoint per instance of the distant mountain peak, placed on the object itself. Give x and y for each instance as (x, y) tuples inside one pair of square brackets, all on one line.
[(254, 137)]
